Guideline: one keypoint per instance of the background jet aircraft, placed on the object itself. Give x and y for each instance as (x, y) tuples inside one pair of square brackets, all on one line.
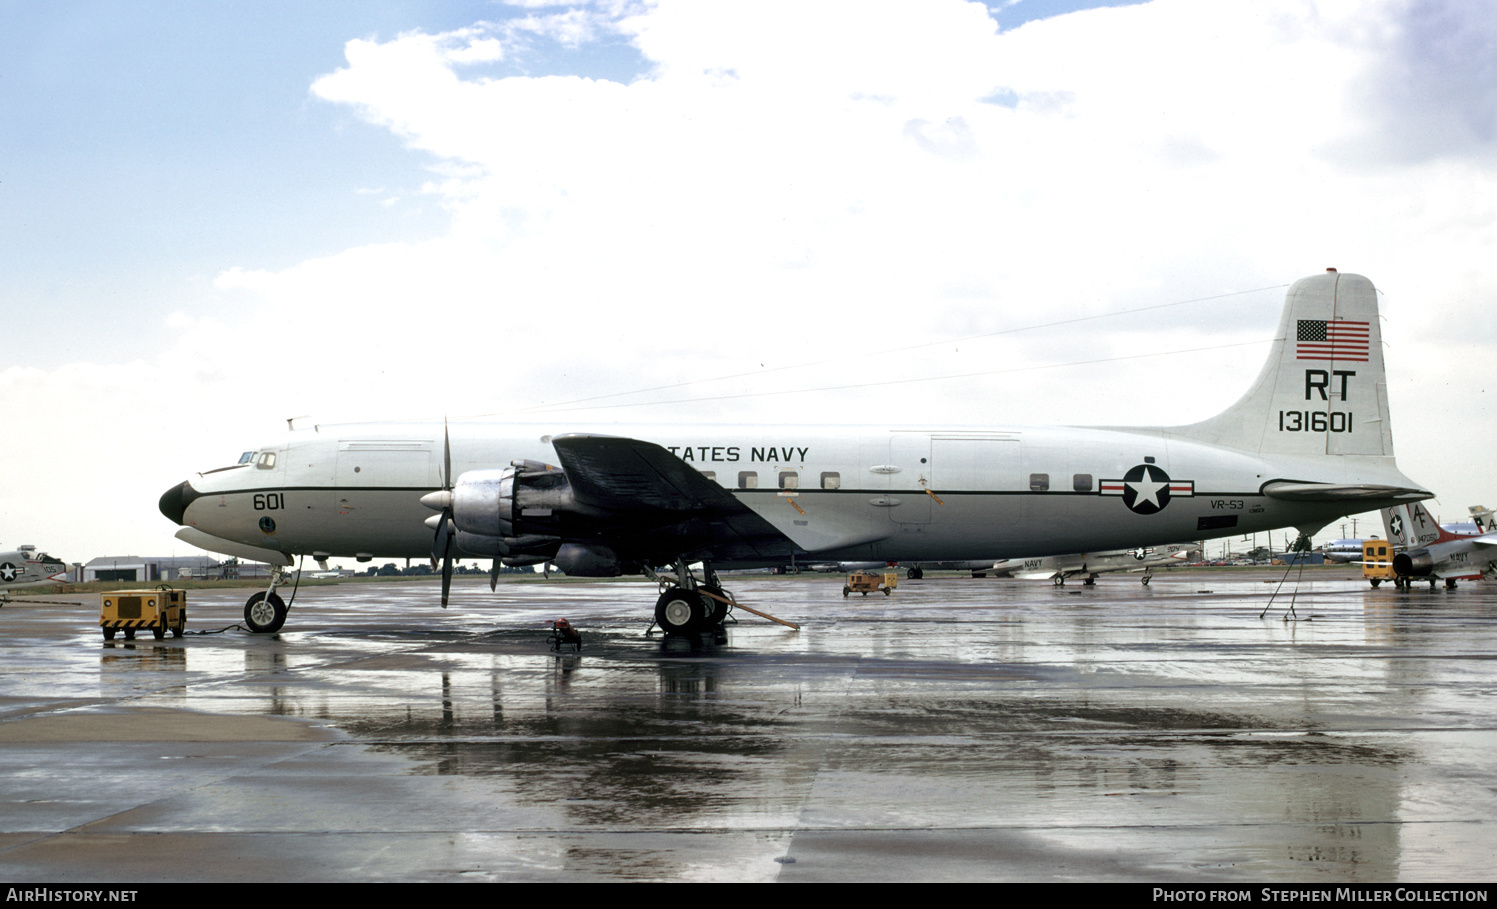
[(1430, 551), (1058, 568), (25, 567), (1350, 551), (1309, 443)]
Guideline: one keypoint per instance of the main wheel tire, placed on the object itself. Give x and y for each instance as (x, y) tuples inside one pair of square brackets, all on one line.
[(680, 611), (265, 614), (716, 610)]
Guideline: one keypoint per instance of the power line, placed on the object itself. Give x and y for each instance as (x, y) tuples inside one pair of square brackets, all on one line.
[(566, 406), (858, 385)]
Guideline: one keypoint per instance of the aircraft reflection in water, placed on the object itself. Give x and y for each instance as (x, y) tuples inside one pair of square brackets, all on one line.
[(25, 567), (1309, 443)]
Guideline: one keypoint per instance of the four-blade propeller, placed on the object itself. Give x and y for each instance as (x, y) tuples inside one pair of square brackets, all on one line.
[(441, 544)]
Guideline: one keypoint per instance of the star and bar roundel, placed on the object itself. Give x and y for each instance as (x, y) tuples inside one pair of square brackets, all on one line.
[(1146, 489)]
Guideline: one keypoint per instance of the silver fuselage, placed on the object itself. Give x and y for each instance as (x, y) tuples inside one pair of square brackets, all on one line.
[(853, 493)]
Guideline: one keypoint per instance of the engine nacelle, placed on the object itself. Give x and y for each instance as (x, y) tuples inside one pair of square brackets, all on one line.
[(514, 502), (1415, 563), (522, 561), (588, 560), (530, 544)]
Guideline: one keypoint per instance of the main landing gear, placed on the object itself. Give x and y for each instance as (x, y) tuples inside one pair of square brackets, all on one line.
[(265, 612), (689, 606)]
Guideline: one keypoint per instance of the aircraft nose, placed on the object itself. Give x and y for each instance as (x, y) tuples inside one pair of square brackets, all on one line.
[(174, 501)]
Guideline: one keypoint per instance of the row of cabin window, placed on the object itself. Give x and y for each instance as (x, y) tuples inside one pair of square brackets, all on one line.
[(790, 479), (1040, 482)]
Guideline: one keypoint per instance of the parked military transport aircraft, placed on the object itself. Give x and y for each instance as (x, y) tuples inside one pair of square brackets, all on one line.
[(1091, 564), (25, 567), (1342, 551), (1430, 551), (1309, 443)]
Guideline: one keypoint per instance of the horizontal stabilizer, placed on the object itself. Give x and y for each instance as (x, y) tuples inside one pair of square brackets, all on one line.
[(1339, 492)]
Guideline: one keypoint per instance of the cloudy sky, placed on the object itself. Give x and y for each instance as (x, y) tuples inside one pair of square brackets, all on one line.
[(216, 216)]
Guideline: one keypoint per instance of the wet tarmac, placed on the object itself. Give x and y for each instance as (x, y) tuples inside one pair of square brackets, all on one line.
[(960, 729)]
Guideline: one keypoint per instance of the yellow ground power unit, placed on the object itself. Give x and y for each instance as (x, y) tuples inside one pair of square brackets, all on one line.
[(158, 611), (865, 582), (1377, 562)]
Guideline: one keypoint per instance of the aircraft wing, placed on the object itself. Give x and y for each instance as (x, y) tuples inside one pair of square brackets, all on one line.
[(627, 475), (654, 500)]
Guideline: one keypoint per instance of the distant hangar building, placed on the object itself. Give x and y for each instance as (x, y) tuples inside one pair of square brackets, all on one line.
[(151, 569)]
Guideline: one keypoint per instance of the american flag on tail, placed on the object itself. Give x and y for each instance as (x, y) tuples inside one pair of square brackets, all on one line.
[(1317, 339)]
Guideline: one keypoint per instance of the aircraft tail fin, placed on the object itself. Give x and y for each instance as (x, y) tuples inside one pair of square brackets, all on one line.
[(1395, 521), (1323, 390), (1410, 526)]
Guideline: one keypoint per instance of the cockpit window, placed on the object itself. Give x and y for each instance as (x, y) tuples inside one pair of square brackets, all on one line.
[(247, 457), (267, 460)]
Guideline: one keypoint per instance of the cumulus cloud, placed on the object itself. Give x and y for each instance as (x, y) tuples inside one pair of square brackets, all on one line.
[(789, 183), (1431, 91), (796, 173)]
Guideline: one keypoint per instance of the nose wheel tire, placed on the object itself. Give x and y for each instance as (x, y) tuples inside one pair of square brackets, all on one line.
[(265, 614)]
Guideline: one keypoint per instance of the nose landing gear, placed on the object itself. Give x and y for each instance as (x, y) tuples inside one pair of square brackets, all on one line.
[(265, 612)]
